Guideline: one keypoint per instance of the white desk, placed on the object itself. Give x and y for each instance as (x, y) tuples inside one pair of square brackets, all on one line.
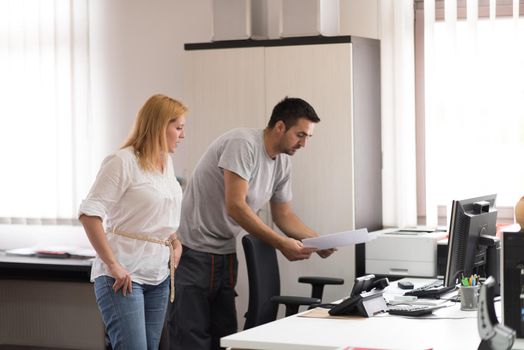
[(457, 331)]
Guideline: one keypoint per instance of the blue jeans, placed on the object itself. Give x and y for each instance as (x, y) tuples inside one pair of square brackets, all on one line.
[(133, 321)]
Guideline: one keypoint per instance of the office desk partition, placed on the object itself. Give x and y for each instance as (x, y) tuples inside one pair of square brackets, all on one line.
[(449, 328), (48, 303)]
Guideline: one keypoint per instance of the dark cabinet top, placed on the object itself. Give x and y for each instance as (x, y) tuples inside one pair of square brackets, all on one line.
[(302, 40)]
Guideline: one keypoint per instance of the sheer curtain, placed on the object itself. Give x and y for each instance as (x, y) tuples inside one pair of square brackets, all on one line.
[(474, 69), (398, 113), (44, 94)]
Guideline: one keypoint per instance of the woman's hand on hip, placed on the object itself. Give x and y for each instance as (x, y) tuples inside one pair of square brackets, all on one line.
[(122, 278)]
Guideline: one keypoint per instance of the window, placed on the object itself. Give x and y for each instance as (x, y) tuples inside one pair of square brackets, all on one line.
[(474, 120), (44, 89)]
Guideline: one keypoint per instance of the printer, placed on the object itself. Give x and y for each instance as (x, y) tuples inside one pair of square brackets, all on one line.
[(404, 252)]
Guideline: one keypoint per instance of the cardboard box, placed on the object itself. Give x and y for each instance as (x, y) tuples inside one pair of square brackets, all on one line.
[(310, 18), (231, 19), (266, 19)]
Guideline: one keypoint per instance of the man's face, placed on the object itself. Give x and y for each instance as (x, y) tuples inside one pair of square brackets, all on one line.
[(296, 136)]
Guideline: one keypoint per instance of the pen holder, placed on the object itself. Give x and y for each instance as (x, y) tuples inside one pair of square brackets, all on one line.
[(469, 297)]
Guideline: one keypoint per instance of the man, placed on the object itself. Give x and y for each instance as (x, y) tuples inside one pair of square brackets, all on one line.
[(240, 172)]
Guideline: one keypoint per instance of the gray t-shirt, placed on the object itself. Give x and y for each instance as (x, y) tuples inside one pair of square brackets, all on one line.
[(205, 225)]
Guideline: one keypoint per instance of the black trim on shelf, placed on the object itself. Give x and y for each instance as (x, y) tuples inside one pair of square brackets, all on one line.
[(302, 40), (41, 269), (42, 274)]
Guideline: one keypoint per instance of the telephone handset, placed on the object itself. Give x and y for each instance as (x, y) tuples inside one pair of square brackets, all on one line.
[(362, 284)]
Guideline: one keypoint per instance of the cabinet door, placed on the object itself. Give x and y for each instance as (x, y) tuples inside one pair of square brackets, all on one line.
[(224, 89), (323, 171)]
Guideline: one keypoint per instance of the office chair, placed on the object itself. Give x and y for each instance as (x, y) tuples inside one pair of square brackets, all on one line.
[(264, 284)]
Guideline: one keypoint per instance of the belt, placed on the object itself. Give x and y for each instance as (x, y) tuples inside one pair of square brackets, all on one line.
[(166, 242)]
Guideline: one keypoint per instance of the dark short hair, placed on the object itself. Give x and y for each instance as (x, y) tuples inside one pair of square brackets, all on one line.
[(289, 110)]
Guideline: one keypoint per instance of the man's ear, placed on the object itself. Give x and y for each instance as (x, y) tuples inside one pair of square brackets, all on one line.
[(280, 126)]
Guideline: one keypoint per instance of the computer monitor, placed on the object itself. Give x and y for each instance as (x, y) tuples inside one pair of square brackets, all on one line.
[(470, 219)]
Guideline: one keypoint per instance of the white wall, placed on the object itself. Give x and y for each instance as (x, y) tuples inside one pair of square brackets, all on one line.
[(136, 50)]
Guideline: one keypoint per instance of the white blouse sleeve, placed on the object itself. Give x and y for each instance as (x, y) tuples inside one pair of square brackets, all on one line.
[(111, 182)]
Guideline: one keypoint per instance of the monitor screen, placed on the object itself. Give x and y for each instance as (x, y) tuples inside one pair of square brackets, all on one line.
[(470, 218)]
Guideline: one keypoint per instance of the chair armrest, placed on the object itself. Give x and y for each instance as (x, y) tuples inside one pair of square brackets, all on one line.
[(293, 303), (318, 283), (321, 280)]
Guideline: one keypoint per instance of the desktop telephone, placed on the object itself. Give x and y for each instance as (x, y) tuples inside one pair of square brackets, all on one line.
[(365, 299), (346, 307)]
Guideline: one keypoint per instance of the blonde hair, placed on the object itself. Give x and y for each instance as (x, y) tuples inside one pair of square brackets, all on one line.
[(148, 136)]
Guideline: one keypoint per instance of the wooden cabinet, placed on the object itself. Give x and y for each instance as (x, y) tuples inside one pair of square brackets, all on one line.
[(337, 177), (224, 89)]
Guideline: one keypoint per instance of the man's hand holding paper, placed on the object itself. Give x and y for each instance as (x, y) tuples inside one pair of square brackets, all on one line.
[(340, 239)]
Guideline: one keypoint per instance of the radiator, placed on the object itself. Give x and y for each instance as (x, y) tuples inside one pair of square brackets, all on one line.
[(58, 315)]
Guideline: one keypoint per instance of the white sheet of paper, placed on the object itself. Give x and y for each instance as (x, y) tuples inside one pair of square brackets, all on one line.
[(21, 251), (339, 239)]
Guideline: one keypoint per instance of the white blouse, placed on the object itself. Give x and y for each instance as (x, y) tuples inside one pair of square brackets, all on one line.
[(132, 200)]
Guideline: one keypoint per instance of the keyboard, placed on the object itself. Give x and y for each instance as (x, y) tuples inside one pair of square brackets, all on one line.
[(412, 310), (433, 290)]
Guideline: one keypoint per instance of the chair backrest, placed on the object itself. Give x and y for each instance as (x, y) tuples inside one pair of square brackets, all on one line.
[(264, 281)]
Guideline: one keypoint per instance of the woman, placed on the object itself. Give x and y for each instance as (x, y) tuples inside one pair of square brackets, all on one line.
[(138, 196)]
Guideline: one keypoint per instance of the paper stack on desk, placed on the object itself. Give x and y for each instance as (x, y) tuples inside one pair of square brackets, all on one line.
[(339, 239), (58, 252)]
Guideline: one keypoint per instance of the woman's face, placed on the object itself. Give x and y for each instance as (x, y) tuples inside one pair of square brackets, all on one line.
[(175, 133)]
